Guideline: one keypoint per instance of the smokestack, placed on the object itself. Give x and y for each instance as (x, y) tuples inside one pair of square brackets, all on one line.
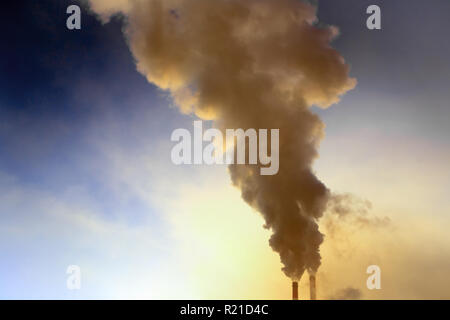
[(294, 290), (312, 287)]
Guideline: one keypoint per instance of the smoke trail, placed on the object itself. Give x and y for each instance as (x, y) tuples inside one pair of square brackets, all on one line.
[(350, 210), (250, 64)]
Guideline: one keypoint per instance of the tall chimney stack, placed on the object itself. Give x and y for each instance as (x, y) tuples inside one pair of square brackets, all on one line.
[(294, 290), (312, 286)]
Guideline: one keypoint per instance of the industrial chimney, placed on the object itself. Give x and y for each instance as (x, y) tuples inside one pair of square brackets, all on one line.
[(312, 286), (294, 290)]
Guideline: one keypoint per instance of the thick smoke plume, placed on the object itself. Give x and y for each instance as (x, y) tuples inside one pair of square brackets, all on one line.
[(250, 64)]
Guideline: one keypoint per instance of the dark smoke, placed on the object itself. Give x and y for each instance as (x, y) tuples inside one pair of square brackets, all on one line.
[(250, 64)]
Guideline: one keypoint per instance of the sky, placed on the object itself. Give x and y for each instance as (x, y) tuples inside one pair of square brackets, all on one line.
[(86, 177)]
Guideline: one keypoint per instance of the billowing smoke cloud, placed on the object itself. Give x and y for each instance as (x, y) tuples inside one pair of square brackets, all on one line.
[(250, 64)]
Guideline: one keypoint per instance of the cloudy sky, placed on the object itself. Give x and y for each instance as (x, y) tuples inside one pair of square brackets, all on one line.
[(86, 177)]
